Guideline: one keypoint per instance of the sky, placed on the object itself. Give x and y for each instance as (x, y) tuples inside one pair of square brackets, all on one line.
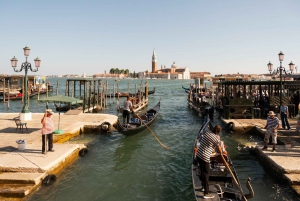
[(220, 37)]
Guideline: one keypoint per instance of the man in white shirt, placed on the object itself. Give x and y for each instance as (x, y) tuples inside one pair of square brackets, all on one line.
[(126, 110)]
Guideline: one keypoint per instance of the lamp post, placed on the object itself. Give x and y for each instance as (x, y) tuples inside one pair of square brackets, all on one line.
[(25, 113), (280, 70)]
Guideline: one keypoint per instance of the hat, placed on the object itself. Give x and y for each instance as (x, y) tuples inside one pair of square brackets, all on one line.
[(49, 111), (271, 113)]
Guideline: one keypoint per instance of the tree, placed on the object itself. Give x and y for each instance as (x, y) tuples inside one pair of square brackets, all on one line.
[(112, 71), (127, 71), (117, 71)]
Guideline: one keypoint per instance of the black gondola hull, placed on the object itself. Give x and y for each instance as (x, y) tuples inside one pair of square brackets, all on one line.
[(133, 128)]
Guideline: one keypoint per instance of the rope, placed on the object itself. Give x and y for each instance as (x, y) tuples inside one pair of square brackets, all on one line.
[(164, 146), (32, 163)]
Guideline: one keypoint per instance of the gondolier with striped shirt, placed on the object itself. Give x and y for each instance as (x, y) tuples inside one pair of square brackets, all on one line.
[(272, 126), (209, 142)]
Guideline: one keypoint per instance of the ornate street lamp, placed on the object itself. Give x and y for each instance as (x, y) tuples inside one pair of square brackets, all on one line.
[(25, 113), (280, 70)]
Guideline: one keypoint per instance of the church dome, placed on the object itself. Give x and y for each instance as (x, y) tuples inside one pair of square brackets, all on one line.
[(174, 65)]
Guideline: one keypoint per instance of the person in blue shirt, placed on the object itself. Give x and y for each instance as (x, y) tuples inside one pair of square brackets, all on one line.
[(284, 112)]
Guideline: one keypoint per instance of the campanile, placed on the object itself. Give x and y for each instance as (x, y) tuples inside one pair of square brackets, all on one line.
[(154, 62)]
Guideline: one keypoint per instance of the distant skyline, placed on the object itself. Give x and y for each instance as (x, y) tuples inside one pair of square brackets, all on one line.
[(73, 37)]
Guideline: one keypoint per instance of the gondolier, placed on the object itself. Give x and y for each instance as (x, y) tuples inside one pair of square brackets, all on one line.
[(272, 126), (209, 142), (126, 110), (138, 122), (223, 181)]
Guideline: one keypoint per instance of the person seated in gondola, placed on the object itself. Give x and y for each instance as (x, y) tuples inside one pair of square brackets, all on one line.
[(216, 154), (139, 119)]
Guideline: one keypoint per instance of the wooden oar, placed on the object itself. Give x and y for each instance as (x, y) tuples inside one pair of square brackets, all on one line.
[(229, 169), (164, 146)]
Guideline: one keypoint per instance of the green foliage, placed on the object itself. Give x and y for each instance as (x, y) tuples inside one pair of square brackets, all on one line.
[(118, 71)]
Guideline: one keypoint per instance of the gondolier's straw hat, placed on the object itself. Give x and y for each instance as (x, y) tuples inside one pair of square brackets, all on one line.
[(271, 113), (49, 111)]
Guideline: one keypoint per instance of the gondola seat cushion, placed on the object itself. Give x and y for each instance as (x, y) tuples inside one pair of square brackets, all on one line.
[(150, 116)]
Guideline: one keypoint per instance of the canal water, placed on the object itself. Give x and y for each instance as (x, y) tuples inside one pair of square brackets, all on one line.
[(137, 167)]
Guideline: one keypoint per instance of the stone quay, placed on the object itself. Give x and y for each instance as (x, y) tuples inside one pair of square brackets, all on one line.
[(23, 167)]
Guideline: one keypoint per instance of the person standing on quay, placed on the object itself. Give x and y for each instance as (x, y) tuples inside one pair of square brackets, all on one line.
[(284, 112), (47, 130), (126, 109), (272, 126), (209, 141)]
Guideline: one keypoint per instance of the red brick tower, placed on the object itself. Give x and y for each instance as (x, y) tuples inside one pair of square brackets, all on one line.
[(154, 62)]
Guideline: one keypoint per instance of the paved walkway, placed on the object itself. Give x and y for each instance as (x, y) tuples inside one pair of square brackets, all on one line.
[(285, 161), (68, 123), (28, 167), (247, 124)]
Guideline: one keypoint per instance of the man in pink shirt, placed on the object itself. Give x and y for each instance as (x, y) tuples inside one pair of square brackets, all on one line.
[(47, 130)]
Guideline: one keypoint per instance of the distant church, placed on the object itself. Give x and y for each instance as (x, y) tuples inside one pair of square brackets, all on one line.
[(167, 73)]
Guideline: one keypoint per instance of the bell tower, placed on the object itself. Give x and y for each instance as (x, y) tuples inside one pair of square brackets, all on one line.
[(154, 62)]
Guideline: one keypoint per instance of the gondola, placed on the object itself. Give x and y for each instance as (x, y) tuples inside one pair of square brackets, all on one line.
[(18, 97), (125, 94), (223, 180), (65, 107), (135, 125), (149, 92), (186, 89)]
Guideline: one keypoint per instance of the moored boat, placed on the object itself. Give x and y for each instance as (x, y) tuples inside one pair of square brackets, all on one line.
[(223, 180), (149, 92), (65, 107), (138, 122), (19, 96), (125, 94)]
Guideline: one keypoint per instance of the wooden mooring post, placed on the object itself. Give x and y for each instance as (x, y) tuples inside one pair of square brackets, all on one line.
[(8, 91)]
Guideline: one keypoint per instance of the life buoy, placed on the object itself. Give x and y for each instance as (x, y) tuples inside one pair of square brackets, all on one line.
[(105, 126), (230, 126), (83, 151), (49, 179)]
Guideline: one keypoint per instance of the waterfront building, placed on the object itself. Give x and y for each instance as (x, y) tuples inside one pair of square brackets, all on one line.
[(200, 75), (166, 73), (241, 77), (121, 76)]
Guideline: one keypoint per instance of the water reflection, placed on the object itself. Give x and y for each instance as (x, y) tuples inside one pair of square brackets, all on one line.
[(124, 153)]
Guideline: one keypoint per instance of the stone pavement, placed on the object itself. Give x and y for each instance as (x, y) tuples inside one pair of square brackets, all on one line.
[(245, 125), (22, 171), (285, 161)]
